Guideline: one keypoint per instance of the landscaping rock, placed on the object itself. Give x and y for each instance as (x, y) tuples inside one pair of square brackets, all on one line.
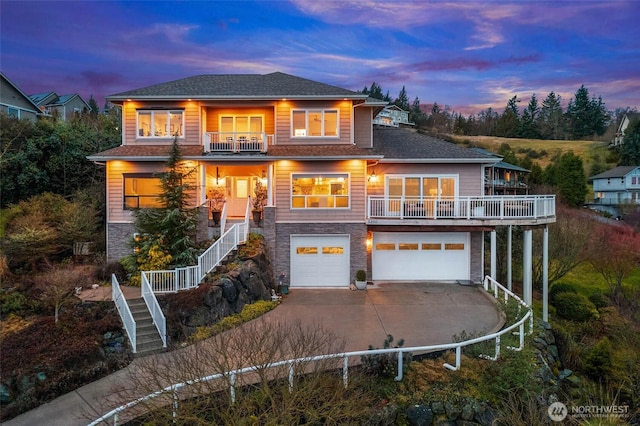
[(467, 412), (419, 415), (451, 410), (437, 407)]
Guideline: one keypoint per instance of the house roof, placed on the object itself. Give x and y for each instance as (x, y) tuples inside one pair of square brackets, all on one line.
[(195, 152), (501, 164), (617, 172), (27, 98), (239, 86), (401, 144), (39, 97)]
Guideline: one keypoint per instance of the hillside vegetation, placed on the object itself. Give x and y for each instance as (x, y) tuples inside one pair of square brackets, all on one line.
[(587, 150)]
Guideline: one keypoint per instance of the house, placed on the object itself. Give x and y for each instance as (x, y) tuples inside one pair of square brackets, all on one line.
[(615, 189), (622, 128), (503, 178), (394, 116), (63, 107), (341, 195), (14, 102)]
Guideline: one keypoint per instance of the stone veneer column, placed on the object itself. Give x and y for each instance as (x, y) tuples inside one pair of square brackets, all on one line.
[(269, 234), (119, 236)]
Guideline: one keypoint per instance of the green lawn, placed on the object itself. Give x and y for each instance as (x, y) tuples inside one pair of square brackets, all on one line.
[(588, 281)]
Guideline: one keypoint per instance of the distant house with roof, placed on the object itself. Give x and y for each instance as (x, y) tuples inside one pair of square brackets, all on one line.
[(503, 178), (616, 188), (622, 128), (63, 107), (14, 103), (393, 116)]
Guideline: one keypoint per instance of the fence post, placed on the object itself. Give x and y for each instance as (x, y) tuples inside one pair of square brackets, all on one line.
[(345, 372), (232, 387), (291, 377), (400, 359)]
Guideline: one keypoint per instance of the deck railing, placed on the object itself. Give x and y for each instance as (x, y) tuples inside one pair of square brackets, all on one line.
[(480, 207), (490, 285), (123, 309), (237, 141)]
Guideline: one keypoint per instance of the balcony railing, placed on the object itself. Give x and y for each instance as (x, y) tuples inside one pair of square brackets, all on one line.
[(236, 141), (615, 201), (481, 207)]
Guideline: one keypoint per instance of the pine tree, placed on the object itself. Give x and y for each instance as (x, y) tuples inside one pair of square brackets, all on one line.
[(550, 122), (402, 100), (508, 124), (529, 123), (630, 150), (586, 117), (169, 230)]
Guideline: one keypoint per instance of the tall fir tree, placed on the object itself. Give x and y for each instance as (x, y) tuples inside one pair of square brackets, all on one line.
[(586, 117), (551, 119), (508, 124), (402, 100), (169, 231), (529, 122), (630, 150)]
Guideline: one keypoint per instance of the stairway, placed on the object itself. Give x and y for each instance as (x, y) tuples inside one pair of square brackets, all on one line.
[(148, 340)]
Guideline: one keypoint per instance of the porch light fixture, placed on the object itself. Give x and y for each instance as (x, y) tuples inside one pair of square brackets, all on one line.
[(372, 177)]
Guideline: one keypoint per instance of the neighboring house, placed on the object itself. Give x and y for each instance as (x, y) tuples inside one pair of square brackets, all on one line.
[(616, 188), (622, 128), (393, 116), (63, 107), (341, 195), (14, 102), (503, 178)]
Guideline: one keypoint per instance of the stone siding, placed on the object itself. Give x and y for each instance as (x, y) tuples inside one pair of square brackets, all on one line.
[(119, 236), (476, 273)]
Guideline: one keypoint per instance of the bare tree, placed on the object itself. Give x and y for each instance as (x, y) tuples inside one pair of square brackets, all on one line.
[(59, 284), (317, 394)]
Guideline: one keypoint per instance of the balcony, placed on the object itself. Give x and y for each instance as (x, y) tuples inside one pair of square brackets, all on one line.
[(236, 142), (480, 210)]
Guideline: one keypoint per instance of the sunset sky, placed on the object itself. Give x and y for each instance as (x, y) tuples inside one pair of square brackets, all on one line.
[(465, 54)]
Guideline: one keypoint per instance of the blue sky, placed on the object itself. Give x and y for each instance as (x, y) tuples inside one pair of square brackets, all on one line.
[(465, 54)]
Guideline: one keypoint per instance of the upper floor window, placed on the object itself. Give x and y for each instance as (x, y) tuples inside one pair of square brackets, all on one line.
[(160, 123), (325, 190), (141, 190), (314, 123), (13, 112), (421, 186)]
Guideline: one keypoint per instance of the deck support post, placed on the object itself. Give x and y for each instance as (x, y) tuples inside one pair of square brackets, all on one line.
[(494, 245), (527, 267), (545, 274), (509, 258)]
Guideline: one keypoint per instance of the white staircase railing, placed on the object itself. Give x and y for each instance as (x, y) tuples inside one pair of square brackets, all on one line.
[(123, 309), (154, 309), (490, 285)]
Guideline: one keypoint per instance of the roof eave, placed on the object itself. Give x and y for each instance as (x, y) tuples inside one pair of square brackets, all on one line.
[(440, 160), (231, 98)]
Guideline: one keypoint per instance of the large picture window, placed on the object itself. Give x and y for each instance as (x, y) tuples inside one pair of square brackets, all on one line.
[(160, 123), (421, 186), (141, 191), (326, 190), (314, 123)]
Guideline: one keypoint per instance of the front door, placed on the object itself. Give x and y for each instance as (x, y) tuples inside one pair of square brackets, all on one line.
[(239, 190)]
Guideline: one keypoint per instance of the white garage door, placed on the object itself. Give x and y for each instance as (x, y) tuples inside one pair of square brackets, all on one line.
[(319, 261), (420, 256)]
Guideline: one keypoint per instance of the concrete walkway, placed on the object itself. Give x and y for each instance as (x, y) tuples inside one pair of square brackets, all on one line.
[(420, 313)]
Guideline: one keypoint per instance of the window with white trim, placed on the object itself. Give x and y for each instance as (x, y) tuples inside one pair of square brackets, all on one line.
[(421, 186), (323, 190), (314, 123), (141, 190), (160, 123)]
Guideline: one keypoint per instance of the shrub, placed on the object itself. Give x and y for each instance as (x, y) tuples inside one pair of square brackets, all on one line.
[(12, 302), (560, 288), (361, 275), (575, 307), (384, 365), (597, 363), (599, 300)]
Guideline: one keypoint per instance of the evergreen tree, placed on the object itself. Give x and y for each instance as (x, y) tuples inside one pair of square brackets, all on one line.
[(566, 173), (170, 229), (508, 124), (416, 115), (550, 122), (93, 106), (630, 150), (586, 117), (529, 124), (402, 100)]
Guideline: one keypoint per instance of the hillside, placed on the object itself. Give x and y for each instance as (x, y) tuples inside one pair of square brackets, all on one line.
[(589, 151)]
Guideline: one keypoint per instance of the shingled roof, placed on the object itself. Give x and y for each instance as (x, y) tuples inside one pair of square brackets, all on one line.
[(409, 145), (617, 172), (234, 86)]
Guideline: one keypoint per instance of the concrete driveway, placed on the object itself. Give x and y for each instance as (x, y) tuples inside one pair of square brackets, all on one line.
[(418, 312)]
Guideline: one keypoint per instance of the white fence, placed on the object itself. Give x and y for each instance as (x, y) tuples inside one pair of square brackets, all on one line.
[(482, 207), (154, 309), (123, 309), (490, 285)]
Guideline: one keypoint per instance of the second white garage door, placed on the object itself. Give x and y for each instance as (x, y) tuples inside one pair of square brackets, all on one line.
[(420, 256), (319, 261)]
